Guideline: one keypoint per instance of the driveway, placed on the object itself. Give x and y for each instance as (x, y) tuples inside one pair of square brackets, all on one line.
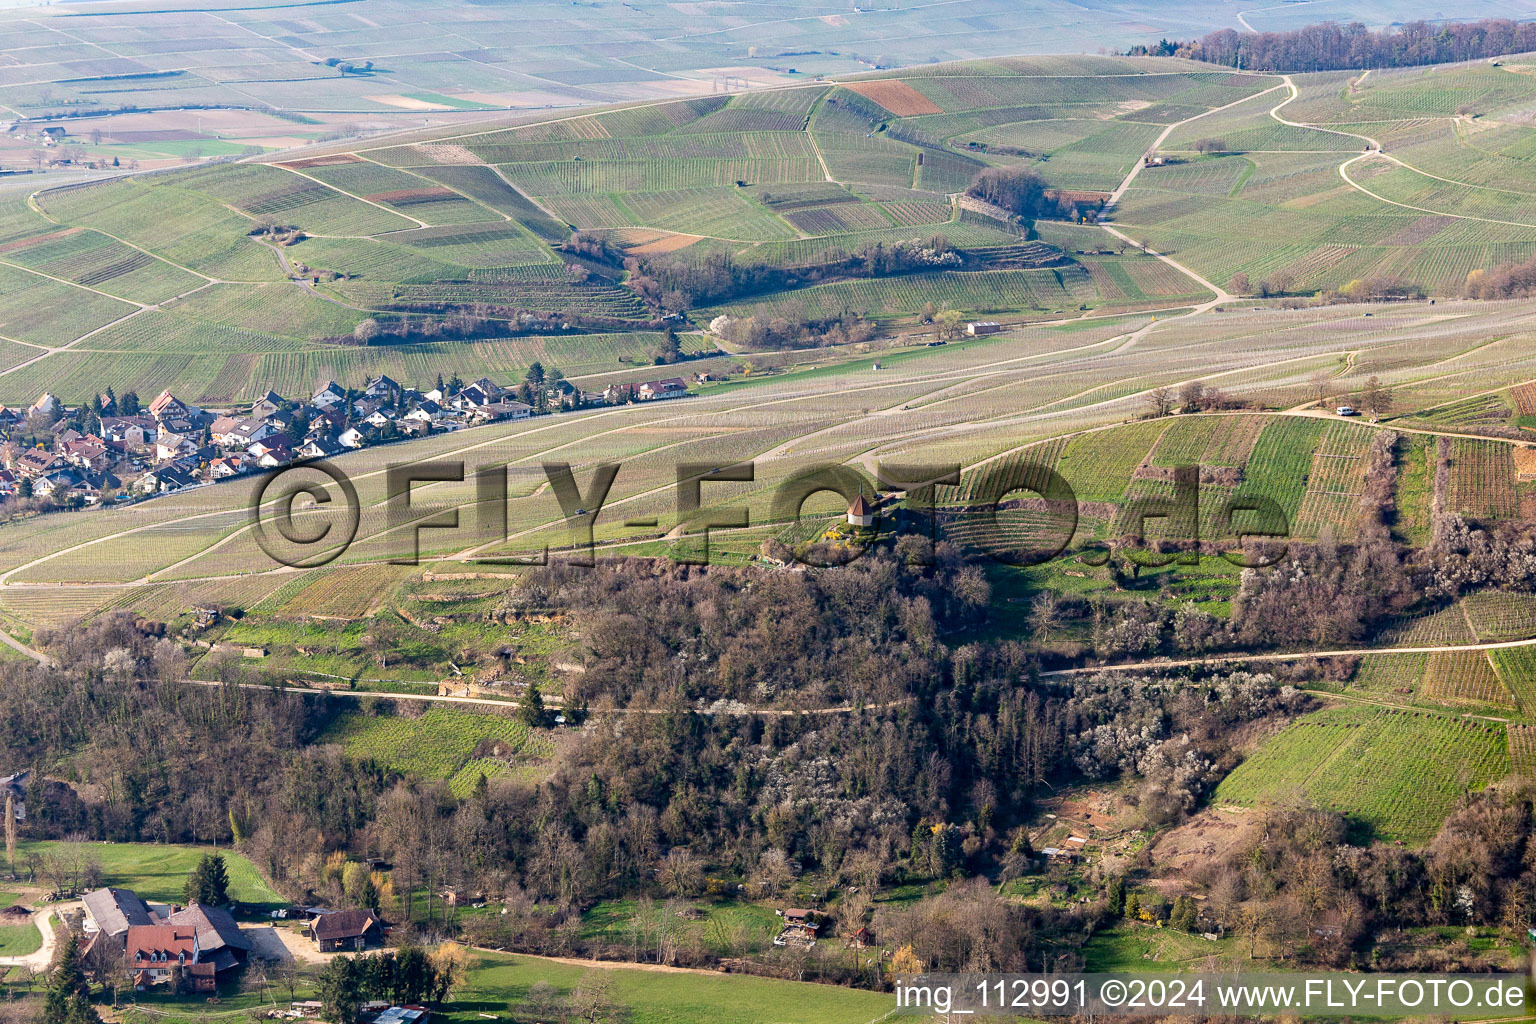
[(43, 958)]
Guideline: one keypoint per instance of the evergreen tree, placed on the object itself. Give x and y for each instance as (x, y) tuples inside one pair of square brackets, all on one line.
[(209, 882), (1114, 896), (68, 1000), (341, 989), (532, 710)]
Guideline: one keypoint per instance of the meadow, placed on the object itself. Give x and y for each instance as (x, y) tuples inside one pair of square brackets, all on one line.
[(497, 982), (157, 872)]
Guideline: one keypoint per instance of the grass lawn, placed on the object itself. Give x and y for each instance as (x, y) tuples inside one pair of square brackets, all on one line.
[(728, 927), (497, 983), (20, 939), (157, 872), (8, 898), (1141, 949)]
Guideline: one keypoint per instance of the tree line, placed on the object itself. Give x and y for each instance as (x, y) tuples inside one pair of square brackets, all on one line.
[(1331, 47)]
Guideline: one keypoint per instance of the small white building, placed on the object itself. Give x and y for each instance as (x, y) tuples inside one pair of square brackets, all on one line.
[(977, 328), (861, 512)]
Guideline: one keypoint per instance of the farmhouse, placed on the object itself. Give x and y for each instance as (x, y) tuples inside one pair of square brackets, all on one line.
[(154, 951), (109, 913), (346, 930), (977, 328), (220, 942)]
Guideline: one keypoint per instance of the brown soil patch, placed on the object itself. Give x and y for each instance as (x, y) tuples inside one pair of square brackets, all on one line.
[(22, 243), (321, 161), (897, 97), (1207, 836), (1525, 464), (667, 243)]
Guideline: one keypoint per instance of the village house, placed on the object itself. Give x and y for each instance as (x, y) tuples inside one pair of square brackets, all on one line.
[(383, 387), (46, 405), (227, 466), (55, 484), (653, 390), (319, 448), (271, 452), (167, 406), (267, 404), (248, 432), (164, 478), (331, 395), (170, 446), (496, 411), (133, 431), (34, 462), (219, 429), (89, 455)]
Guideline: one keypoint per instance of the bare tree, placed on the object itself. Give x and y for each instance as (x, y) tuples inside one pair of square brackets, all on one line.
[(1378, 399), (680, 873), (10, 831), (592, 1000), (1321, 383), (1160, 401)]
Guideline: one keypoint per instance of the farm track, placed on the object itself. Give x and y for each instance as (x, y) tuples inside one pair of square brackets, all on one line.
[(1374, 149), (512, 705)]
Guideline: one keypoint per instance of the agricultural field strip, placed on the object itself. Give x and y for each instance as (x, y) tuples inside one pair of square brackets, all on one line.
[(361, 199), (73, 284), (432, 182), (1375, 150), (35, 208)]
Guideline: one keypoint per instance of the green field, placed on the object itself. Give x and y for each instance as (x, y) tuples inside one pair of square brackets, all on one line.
[(1397, 773), (20, 939), (157, 872), (499, 982)]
